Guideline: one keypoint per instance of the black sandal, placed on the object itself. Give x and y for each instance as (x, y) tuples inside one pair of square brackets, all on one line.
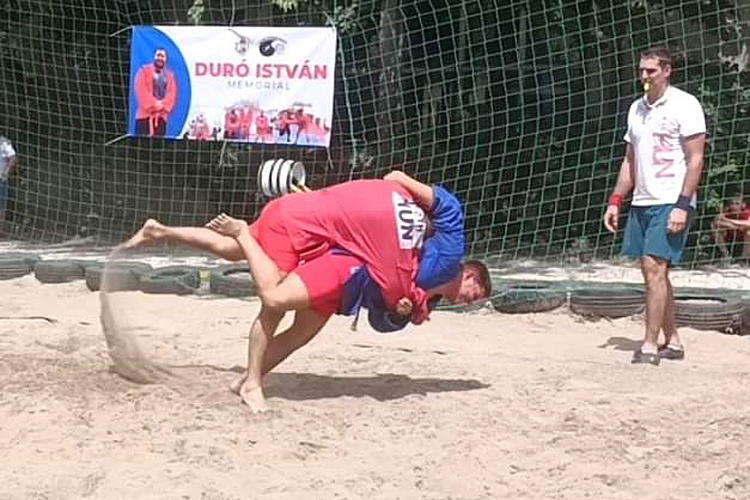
[(669, 352), (645, 358)]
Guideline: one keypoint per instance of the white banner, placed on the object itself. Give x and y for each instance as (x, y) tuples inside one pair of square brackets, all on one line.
[(248, 84)]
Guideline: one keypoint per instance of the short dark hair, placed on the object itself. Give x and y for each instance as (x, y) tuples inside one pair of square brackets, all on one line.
[(482, 273), (660, 53)]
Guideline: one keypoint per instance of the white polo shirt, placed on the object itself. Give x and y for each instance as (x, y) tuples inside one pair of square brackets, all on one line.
[(6, 153), (655, 131)]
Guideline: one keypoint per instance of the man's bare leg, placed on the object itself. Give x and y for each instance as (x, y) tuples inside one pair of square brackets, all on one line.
[(266, 274), (655, 275), (262, 329), (669, 325), (278, 295), (720, 230), (307, 324), (290, 294), (201, 238)]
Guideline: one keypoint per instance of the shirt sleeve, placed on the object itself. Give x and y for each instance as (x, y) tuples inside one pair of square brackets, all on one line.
[(361, 291), (442, 252), (631, 110), (692, 120), (383, 321)]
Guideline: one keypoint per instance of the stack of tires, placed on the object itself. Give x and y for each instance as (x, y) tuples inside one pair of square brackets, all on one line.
[(705, 310), (232, 280), (179, 280), (16, 264), (116, 276), (609, 302), (745, 315), (527, 297), (59, 271), (701, 309)]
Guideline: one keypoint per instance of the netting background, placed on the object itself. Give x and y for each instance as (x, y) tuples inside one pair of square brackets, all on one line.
[(518, 107)]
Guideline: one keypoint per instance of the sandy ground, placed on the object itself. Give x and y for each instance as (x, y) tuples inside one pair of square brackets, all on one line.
[(471, 406)]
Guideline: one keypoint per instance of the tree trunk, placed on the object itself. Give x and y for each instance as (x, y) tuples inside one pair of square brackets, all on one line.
[(389, 115)]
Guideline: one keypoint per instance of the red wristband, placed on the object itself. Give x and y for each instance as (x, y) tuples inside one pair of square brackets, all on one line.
[(615, 199)]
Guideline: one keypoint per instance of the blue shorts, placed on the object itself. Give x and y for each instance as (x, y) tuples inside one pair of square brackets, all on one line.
[(646, 234), (3, 195)]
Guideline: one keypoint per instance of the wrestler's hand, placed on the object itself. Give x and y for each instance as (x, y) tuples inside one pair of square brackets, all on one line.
[(228, 226), (404, 307)]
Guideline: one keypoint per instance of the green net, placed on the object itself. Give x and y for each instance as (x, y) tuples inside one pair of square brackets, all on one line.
[(518, 107)]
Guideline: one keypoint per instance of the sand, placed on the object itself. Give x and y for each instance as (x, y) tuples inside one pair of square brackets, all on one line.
[(469, 406)]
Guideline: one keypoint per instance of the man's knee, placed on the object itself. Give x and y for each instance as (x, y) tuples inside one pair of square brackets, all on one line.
[(654, 269), (290, 294), (272, 300)]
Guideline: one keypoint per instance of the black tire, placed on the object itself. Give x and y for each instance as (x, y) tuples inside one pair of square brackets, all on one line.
[(31, 258), (528, 298), (618, 302), (709, 311), (14, 265), (745, 316), (463, 308), (120, 276), (233, 280), (180, 280), (90, 263), (58, 271)]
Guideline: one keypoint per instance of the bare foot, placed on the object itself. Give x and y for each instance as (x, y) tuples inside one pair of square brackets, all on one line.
[(227, 226), (237, 383), (151, 231), (253, 397)]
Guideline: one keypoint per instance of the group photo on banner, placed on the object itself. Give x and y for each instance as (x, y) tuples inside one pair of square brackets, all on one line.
[(245, 84)]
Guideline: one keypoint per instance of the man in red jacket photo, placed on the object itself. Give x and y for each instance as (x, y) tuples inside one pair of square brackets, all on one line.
[(155, 93)]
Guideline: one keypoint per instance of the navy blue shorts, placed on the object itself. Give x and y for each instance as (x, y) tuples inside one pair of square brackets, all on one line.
[(646, 234)]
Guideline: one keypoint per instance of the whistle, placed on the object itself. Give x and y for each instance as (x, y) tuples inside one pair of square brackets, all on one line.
[(646, 87)]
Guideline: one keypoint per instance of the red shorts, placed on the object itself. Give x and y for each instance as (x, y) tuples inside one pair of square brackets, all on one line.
[(324, 277), (270, 232)]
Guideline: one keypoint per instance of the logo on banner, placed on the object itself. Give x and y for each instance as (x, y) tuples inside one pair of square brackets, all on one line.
[(243, 44), (272, 45), (267, 46)]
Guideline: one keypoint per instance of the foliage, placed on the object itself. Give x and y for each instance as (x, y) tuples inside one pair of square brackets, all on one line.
[(517, 106), (197, 12)]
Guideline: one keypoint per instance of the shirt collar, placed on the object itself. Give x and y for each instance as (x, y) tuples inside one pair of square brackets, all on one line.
[(660, 101)]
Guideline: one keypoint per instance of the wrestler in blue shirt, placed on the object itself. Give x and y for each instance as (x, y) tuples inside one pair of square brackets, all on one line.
[(440, 262)]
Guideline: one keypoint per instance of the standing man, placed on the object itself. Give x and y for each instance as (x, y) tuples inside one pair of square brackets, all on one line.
[(156, 93), (662, 167), (8, 163)]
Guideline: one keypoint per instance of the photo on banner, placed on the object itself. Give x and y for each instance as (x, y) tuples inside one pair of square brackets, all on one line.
[(244, 84)]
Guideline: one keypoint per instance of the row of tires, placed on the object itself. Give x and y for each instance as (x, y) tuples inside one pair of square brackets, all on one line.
[(231, 280), (700, 309)]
